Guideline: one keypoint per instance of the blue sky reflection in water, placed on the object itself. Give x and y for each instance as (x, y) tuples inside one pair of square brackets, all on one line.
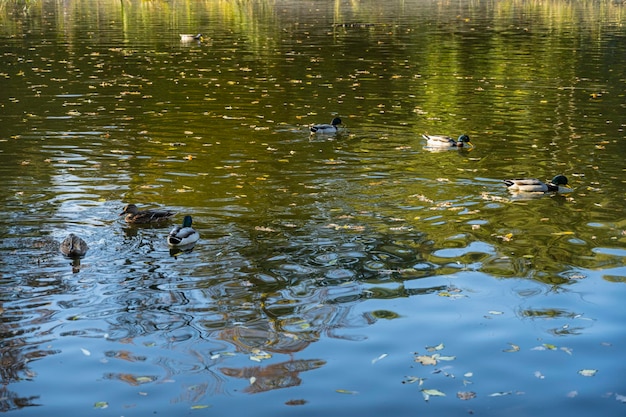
[(360, 273)]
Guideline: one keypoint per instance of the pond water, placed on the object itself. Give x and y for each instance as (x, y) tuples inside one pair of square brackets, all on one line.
[(358, 273)]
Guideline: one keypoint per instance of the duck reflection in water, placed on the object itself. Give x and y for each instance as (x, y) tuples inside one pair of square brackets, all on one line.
[(274, 376)]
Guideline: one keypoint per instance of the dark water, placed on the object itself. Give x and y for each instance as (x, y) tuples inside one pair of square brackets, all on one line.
[(330, 267)]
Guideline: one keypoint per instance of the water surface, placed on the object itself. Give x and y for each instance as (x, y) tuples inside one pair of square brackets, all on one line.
[(329, 268)]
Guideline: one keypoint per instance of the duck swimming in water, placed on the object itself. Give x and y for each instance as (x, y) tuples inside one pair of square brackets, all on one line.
[(533, 185), (326, 128), (73, 246), (134, 215), (441, 141), (183, 235)]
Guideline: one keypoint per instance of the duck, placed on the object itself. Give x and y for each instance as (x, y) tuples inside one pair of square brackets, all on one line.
[(326, 128), (134, 215), (533, 185), (187, 37), (183, 235), (440, 141), (73, 246)]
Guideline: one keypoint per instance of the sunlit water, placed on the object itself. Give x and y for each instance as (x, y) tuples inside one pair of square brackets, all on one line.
[(354, 274)]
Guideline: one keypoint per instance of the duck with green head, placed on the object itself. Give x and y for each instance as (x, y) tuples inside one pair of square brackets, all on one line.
[(134, 215), (326, 128), (533, 185), (441, 141), (184, 235)]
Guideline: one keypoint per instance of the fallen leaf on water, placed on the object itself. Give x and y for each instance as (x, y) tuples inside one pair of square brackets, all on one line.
[(440, 346), (514, 348), (345, 391), (199, 406), (383, 356), (414, 379), (427, 393), (444, 358), (101, 404), (467, 395), (426, 360), (588, 372), (295, 402), (500, 394)]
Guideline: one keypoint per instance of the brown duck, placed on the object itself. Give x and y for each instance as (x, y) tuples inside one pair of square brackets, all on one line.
[(134, 215)]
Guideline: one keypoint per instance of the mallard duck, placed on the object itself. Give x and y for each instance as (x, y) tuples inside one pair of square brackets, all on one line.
[(73, 246), (533, 185), (187, 37), (183, 235), (134, 215), (326, 128), (439, 141)]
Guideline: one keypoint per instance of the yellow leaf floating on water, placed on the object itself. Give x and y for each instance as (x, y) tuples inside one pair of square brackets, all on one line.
[(101, 404), (562, 233), (199, 406), (345, 391), (426, 360), (258, 355)]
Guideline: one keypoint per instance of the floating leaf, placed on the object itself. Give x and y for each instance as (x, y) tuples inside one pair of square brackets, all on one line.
[(345, 391), (440, 346), (383, 356), (426, 360), (258, 355), (427, 393), (101, 404), (500, 394), (414, 379), (467, 395), (588, 372), (199, 406), (549, 346), (514, 348), (444, 358)]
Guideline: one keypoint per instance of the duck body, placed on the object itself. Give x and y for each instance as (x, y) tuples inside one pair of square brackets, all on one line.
[(184, 235), (326, 128), (533, 185), (187, 37), (441, 141), (134, 215), (73, 246)]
